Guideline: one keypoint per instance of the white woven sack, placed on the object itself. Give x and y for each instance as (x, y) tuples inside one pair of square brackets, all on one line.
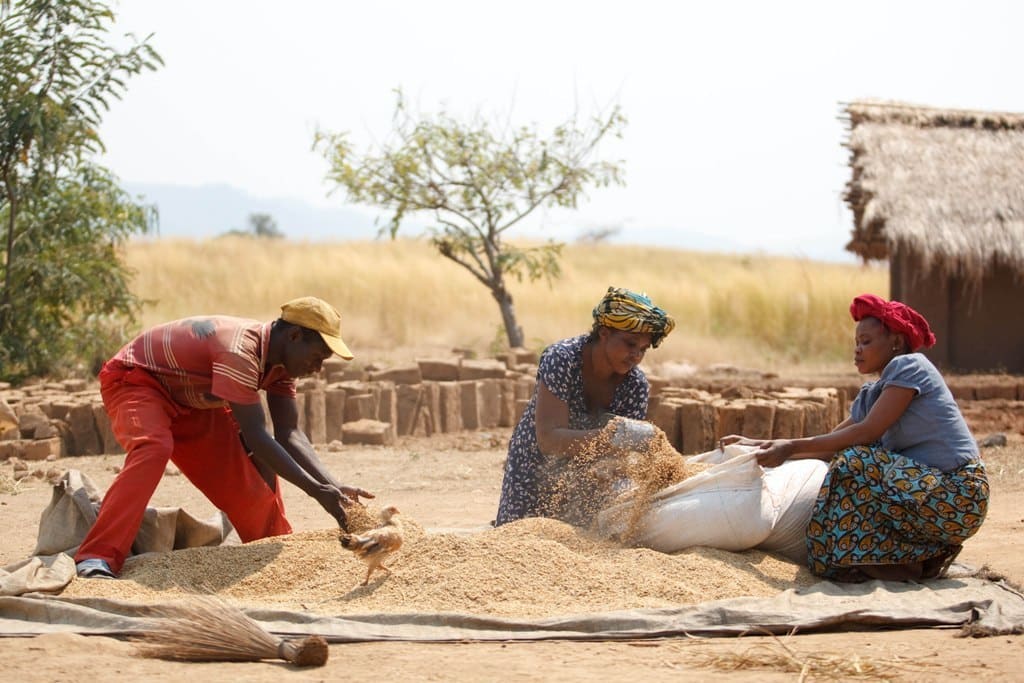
[(721, 507), (792, 490), (735, 505)]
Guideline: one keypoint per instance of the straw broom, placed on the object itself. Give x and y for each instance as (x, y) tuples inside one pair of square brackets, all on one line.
[(210, 630)]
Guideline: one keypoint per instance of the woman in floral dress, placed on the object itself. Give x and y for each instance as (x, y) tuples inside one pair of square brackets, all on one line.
[(582, 382)]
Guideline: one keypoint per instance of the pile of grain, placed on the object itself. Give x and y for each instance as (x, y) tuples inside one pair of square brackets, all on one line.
[(530, 568)]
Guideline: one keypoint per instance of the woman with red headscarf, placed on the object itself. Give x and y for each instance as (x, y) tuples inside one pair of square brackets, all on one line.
[(906, 485)]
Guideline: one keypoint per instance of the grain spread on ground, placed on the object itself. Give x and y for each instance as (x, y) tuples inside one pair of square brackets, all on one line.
[(530, 568)]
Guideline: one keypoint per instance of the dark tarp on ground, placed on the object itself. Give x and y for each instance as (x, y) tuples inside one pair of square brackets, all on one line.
[(980, 606)]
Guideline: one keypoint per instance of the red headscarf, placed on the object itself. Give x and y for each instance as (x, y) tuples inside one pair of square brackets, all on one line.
[(896, 317)]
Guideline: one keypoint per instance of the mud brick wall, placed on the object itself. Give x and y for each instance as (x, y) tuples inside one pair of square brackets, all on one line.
[(376, 405), (695, 412), (52, 420), (434, 395), (986, 387), (340, 405), (694, 419)]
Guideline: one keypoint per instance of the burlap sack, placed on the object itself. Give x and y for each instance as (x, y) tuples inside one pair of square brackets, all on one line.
[(40, 573), (166, 529), (7, 417), (69, 516), (75, 503)]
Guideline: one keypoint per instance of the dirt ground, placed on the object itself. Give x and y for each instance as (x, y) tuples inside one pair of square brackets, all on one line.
[(452, 481)]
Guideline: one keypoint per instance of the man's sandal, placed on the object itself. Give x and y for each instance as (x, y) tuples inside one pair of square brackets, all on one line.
[(94, 568)]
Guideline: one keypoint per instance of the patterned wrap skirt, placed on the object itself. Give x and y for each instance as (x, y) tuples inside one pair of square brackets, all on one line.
[(876, 507)]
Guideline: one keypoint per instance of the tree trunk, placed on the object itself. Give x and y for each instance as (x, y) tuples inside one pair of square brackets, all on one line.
[(5, 296), (513, 332)]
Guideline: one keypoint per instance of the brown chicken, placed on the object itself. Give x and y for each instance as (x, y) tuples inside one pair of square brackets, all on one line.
[(377, 545)]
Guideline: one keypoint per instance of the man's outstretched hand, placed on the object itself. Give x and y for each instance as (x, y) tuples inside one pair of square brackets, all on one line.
[(352, 494), (334, 499)]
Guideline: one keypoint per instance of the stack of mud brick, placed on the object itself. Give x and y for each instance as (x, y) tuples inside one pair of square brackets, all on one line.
[(53, 420), (375, 405), (341, 405), (427, 397), (694, 419), (987, 388)]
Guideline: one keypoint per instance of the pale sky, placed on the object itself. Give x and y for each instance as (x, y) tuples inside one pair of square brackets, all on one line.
[(733, 106)]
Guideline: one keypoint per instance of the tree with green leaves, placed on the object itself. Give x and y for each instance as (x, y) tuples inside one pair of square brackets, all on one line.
[(63, 217), (264, 226), (261, 225), (477, 182)]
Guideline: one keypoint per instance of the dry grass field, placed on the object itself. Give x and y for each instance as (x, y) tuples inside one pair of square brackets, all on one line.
[(768, 312)]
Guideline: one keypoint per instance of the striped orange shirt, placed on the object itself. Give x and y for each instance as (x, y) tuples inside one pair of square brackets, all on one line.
[(208, 361)]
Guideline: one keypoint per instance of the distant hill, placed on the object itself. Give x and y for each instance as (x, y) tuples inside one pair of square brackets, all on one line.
[(210, 210)]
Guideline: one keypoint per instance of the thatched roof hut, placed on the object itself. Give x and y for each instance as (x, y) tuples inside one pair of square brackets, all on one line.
[(940, 193), (948, 184)]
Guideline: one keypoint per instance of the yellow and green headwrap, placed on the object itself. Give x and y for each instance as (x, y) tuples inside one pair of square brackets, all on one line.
[(628, 311)]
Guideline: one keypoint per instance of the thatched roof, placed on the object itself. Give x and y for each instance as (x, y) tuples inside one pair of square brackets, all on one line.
[(945, 184)]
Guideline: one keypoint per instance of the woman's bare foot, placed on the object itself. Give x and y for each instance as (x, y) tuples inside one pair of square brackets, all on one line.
[(892, 572), (935, 567)]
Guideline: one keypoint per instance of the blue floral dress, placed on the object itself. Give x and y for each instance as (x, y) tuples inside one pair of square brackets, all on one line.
[(525, 490)]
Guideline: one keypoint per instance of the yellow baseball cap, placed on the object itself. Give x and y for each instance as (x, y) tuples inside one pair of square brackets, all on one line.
[(317, 314)]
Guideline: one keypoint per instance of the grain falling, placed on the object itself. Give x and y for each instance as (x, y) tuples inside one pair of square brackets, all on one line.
[(599, 475)]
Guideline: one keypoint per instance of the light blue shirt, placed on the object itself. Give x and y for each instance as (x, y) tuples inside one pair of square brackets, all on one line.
[(932, 431)]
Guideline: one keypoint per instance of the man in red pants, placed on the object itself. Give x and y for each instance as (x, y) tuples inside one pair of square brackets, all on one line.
[(187, 391)]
